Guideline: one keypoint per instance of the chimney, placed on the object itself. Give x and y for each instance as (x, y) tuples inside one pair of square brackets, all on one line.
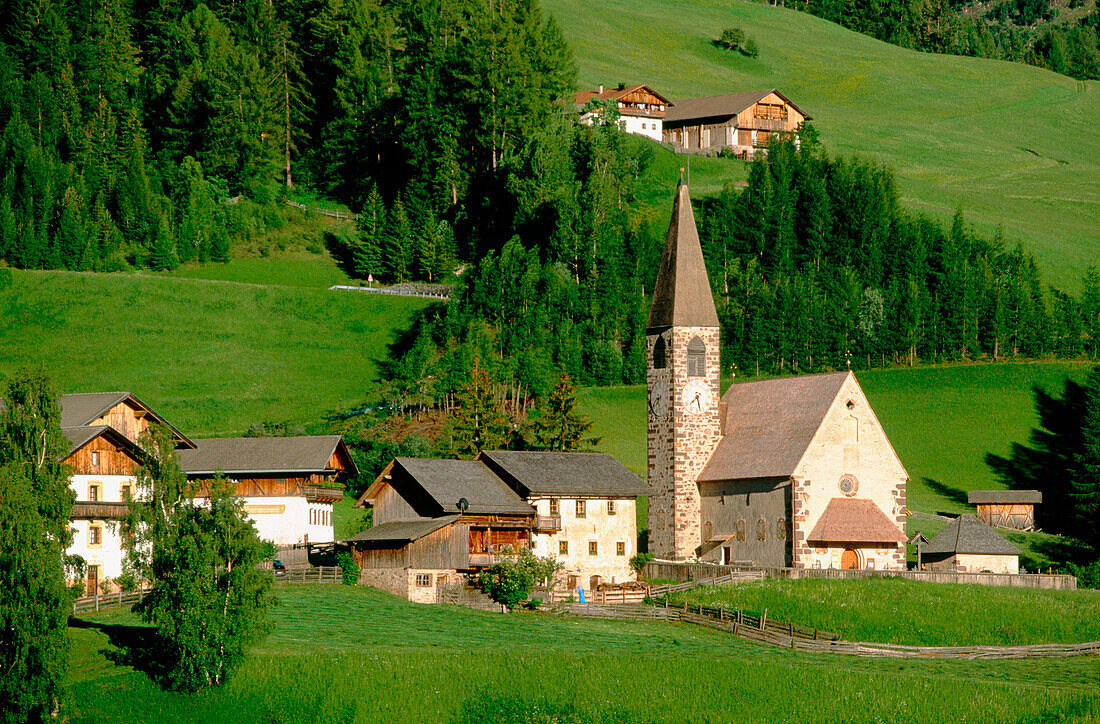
[(600, 91)]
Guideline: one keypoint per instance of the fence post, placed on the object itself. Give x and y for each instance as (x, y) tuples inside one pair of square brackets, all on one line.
[(96, 602), (763, 619)]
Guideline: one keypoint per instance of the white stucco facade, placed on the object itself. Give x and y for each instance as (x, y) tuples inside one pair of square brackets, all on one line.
[(649, 126), (101, 547), (290, 519), (613, 534)]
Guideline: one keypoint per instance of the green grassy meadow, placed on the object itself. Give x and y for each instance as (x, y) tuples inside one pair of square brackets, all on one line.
[(352, 654), (899, 611), (941, 421), (213, 356), (1014, 146)]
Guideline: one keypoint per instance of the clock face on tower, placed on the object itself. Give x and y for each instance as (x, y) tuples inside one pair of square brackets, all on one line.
[(696, 397), (658, 401)]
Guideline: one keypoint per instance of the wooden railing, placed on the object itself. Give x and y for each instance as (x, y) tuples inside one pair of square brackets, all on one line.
[(429, 291), (324, 212), (613, 596), (319, 492), (547, 522)]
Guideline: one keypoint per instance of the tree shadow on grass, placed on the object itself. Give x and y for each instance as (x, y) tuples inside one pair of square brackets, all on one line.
[(953, 494), (138, 647)]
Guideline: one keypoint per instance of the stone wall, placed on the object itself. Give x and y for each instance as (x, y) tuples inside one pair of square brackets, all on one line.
[(975, 563), (403, 582), (680, 441)]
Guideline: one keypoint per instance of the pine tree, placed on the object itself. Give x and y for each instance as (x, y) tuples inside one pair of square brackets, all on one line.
[(1085, 483), (478, 423), (558, 425)]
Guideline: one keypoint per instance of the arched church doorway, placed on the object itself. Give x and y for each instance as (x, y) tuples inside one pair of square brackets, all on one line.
[(849, 559)]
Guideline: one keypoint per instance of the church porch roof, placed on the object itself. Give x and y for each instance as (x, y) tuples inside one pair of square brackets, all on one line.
[(855, 520)]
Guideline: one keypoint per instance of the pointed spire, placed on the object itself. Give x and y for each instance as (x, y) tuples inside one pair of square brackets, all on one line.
[(682, 295)]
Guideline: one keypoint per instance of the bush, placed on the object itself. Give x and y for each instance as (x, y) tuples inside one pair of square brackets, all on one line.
[(732, 38), (509, 581), (750, 48), (638, 562), (348, 567), (1088, 575)]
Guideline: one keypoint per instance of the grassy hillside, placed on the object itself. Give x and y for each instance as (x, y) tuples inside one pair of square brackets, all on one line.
[(892, 610), (213, 356), (941, 420), (341, 654), (1014, 145)]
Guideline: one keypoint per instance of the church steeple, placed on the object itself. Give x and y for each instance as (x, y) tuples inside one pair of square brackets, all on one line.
[(682, 295), (682, 343)]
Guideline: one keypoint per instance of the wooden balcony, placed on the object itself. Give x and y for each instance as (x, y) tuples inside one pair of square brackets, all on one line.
[(765, 124), (319, 494), (99, 510), (484, 559), (547, 523)]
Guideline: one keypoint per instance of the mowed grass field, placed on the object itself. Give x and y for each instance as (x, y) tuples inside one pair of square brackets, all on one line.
[(941, 421), (213, 356), (1014, 146), (352, 654), (898, 611)]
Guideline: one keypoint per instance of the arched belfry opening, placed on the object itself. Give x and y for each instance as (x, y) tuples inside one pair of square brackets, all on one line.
[(659, 362), (696, 358)]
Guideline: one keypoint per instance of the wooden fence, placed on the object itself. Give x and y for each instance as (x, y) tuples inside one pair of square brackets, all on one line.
[(759, 628), (320, 574), (424, 293), (689, 571), (324, 212), (620, 596), (108, 600)]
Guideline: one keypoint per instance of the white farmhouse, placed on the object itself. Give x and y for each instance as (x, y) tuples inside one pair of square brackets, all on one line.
[(641, 109)]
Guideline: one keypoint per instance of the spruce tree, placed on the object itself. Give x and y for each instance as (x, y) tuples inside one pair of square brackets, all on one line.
[(478, 423), (558, 425)]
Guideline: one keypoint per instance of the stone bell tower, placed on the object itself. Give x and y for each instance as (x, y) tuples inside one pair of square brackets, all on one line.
[(682, 343)]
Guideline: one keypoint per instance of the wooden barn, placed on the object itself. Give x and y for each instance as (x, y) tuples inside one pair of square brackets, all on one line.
[(741, 122), (641, 109), (434, 519), (1014, 509), (970, 546)]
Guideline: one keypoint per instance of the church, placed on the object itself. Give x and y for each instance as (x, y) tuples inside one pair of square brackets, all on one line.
[(793, 472)]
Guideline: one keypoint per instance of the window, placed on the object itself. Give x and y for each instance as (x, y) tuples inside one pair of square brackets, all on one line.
[(761, 529), (95, 457), (611, 507), (659, 361), (93, 492), (620, 548), (554, 506), (423, 579), (126, 540), (740, 529), (697, 358), (780, 528), (95, 535), (127, 493), (563, 548), (870, 564), (311, 515), (848, 484), (593, 548), (708, 531), (581, 509)]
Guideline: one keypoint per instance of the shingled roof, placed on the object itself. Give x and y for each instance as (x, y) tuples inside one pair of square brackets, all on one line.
[(580, 98), (854, 520), (722, 106), (564, 473), (769, 425), (967, 534), (433, 487), (400, 531), (78, 437), (682, 294), (255, 455), (81, 409), (976, 497)]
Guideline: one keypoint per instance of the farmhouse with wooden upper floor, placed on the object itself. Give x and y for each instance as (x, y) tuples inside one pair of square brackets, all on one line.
[(641, 109), (786, 472), (741, 122), (437, 519), (288, 493)]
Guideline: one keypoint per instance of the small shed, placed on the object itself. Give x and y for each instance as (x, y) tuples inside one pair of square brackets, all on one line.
[(1013, 509), (970, 546)]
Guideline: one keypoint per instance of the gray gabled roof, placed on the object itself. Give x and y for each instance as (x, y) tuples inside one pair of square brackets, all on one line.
[(80, 409), (448, 481), (78, 437), (1004, 496), (565, 473), (770, 424), (682, 295), (967, 534), (403, 530), (722, 106), (301, 454)]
